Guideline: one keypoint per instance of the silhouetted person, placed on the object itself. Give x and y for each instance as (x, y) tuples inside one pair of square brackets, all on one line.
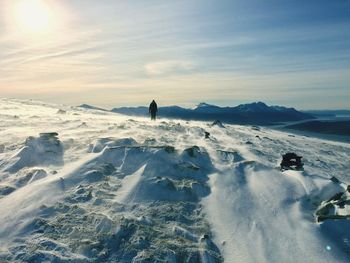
[(153, 108)]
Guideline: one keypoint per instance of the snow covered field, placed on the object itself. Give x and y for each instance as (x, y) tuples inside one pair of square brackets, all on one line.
[(80, 185)]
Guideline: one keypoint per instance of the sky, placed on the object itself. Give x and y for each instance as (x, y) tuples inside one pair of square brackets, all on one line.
[(124, 53)]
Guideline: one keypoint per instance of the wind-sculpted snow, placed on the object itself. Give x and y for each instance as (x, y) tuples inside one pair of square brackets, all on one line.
[(107, 188), (46, 149)]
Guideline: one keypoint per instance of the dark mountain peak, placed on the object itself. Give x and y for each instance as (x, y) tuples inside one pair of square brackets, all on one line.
[(252, 113), (90, 107), (260, 104), (86, 106), (253, 107), (204, 104), (208, 108)]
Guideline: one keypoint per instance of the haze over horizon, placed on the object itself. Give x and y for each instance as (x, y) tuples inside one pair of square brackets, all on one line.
[(120, 53)]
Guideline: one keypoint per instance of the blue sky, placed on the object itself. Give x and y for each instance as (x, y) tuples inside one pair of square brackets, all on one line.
[(113, 53)]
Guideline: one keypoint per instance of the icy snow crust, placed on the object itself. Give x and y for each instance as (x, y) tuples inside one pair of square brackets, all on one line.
[(106, 188)]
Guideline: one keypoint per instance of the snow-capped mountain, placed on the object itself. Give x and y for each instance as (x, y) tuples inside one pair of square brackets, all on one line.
[(83, 185), (90, 107), (253, 113)]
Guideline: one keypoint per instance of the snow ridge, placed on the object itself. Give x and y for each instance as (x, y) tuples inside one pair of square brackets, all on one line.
[(106, 188)]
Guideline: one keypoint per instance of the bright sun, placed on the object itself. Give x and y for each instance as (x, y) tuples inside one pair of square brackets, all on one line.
[(33, 15)]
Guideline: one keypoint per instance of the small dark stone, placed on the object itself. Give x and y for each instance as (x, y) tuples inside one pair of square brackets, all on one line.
[(218, 123), (341, 204), (324, 210), (348, 188), (207, 135), (204, 237), (336, 197), (335, 180), (48, 134)]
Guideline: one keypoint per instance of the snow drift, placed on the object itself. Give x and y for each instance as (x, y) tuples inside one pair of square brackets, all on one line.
[(93, 186)]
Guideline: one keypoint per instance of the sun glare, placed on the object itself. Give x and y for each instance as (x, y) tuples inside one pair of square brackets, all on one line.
[(33, 15)]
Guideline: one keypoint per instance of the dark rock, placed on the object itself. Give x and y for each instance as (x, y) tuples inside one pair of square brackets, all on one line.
[(205, 236), (336, 197), (325, 210), (207, 135), (48, 134), (342, 204), (335, 180), (218, 123), (291, 161)]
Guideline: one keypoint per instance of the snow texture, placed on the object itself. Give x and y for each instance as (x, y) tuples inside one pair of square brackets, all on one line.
[(83, 185)]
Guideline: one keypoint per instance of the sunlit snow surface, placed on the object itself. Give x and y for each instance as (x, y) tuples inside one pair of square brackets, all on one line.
[(109, 188)]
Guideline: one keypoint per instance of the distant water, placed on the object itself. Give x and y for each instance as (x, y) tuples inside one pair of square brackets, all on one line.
[(335, 118)]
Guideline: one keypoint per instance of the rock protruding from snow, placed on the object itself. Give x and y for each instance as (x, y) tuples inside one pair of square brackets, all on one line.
[(291, 161), (147, 201), (46, 149), (337, 207), (218, 123)]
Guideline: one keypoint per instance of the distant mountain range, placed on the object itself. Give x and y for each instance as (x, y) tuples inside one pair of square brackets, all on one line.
[(90, 107), (253, 113)]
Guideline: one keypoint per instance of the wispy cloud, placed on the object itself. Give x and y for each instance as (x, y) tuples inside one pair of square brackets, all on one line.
[(169, 67), (180, 50)]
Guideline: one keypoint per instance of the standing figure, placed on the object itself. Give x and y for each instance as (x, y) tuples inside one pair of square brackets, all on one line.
[(153, 108)]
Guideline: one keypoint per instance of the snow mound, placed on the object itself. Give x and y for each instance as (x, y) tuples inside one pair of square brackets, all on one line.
[(101, 143), (111, 189), (47, 149)]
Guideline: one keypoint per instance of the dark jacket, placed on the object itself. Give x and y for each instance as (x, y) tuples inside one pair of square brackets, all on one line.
[(153, 108)]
